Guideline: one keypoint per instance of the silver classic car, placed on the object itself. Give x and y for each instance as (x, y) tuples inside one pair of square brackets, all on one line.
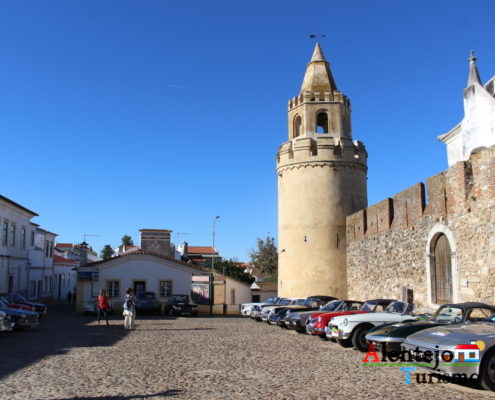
[(6, 323), (461, 349)]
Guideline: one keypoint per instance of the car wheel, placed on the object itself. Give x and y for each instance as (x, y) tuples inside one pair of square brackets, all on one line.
[(487, 370), (323, 337), (359, 338)]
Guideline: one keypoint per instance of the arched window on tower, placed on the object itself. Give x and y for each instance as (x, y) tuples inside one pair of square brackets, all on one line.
[(321, 122), (297, 125)]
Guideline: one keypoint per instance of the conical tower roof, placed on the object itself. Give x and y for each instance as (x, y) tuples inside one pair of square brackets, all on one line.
[(318, 77), (474, 76)]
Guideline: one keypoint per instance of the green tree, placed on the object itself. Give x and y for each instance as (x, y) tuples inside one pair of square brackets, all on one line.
[(107, 252), (265, 257), (233, 268), (127, 241)]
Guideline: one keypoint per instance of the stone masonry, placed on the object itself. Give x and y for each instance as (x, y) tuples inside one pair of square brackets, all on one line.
[(389, 243)]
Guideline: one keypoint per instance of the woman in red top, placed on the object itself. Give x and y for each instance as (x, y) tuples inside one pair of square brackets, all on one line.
[(103, 305)]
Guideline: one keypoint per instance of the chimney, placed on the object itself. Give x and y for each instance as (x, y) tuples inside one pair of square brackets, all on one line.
[(83, 254), (156, 241)]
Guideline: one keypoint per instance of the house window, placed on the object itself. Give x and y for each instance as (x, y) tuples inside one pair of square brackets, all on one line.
[(165, 288), (12, 235), (50, 247), (472, 355), (23, 237), (47, 243), (232, 296), (32, 238), (32, 288), (113, 288), (5, 232)]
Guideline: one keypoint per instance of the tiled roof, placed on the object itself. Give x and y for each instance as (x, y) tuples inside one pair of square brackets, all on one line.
[(201, 250), (268, 286), (12, 202), (64, 245), (62, 260), (140, 251)]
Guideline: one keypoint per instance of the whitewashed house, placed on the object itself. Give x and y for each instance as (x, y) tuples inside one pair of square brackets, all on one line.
[(64, 277), (40, 273), (16, 240), (150, 268)]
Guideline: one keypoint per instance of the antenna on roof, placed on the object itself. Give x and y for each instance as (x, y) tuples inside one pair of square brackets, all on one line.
[(86, 235), (181, 233)]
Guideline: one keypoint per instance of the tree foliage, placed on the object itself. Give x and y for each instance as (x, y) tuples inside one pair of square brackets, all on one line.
[(107, 252), (127, 241), (265, 256), (233, 269)]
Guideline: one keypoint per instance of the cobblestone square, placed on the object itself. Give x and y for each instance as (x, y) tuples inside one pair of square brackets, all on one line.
[(69, 357)]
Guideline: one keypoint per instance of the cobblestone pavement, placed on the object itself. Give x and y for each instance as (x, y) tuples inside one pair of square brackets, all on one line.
[(69, 357)]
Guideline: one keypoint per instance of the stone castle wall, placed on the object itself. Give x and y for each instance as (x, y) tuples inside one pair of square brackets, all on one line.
[(388, 244)]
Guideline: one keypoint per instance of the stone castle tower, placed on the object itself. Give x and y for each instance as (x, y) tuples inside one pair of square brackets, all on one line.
[(321, 179)]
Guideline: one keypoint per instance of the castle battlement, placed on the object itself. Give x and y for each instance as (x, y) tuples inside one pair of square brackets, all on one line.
[(318, 97), (458, 190), (322, 148)]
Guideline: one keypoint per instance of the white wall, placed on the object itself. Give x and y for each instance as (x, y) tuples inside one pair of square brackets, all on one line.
[(16, 264), (242, 295), (150, 269)]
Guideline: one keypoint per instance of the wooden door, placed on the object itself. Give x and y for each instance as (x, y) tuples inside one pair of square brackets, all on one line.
[(443, 270)]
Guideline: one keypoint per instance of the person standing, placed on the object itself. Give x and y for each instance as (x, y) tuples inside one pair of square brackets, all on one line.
[(129, 309), (103, 305)]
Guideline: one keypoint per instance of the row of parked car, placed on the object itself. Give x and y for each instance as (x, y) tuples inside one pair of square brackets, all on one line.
[(456, 339), (18, 313), (148, 303)]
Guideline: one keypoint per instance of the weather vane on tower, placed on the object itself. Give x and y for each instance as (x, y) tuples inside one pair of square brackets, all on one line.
[(317, 35)]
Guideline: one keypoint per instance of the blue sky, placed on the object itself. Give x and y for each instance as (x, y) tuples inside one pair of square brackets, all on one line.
[(121, 115)]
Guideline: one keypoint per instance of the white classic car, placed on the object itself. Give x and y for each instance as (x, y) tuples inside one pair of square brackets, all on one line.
[(352, 329), (247, 308), (6, 323)]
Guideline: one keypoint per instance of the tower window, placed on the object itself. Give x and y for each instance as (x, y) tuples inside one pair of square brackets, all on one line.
[(321, 122), (297, 126)]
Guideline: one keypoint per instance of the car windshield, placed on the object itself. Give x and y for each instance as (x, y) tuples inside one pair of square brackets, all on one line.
[(397, 307), (145, 296), (272, 300), (351, 305), (19, 297), (369, 306), (313, 303), (284, 302), (298, 302), (448, 313), (334, 305), (2, 304), (180, 299), (491, 318), (4, 299)]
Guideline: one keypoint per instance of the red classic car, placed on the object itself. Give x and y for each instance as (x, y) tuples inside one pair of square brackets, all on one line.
[(7, 300), (318, 321)]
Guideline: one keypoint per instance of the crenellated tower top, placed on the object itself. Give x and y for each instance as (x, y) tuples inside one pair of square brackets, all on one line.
[(319, 108)]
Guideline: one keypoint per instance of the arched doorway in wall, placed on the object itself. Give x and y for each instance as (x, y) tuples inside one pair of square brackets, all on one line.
[(441, 270)]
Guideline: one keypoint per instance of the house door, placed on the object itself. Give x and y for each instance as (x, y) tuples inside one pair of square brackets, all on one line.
[(443, 270), (11, 284), (139, 286), (461, 356), (40, 288)]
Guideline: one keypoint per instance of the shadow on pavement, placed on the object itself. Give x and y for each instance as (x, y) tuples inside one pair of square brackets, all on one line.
[(58, 332), (166, 393)]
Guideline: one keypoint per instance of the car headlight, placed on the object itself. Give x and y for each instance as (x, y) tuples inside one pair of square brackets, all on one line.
[(345, 322)]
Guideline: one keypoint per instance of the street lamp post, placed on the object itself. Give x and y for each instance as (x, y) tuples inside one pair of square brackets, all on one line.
[(213, 253), (212, 265)]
